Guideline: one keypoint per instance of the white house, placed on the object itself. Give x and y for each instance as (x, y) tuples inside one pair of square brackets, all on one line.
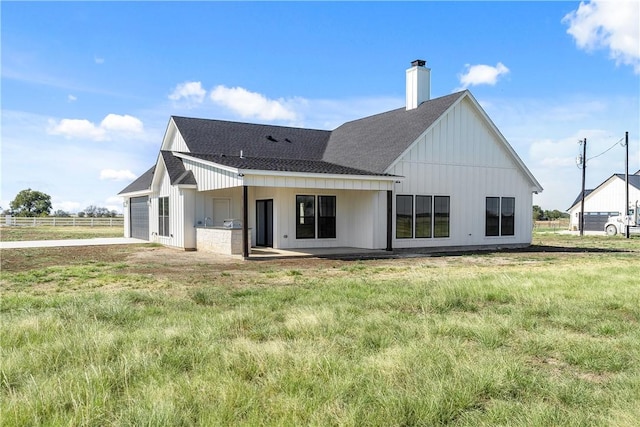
[(436, 173), (607, 199)]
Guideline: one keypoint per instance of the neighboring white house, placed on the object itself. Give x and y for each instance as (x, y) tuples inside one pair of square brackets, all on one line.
[(436, 173), (607, 199)]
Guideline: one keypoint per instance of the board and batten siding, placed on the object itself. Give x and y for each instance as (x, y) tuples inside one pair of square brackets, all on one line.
[(181, 214), (211, 178), (460, 156), (173, 140), (610, 197)]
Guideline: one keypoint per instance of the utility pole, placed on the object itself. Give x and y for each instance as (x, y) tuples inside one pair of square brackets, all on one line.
[(584, 170), (626, 181)]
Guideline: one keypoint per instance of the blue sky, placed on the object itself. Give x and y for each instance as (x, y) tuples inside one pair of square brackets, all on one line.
[(88, 87)]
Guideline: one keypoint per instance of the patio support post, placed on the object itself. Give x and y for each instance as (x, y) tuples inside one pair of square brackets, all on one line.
[(389, 220), (245, 222)]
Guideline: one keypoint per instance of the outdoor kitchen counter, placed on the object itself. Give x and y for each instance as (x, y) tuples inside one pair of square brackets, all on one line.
[(221, 240)]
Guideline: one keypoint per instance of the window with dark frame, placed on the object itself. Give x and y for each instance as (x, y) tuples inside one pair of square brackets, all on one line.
[(305, 217), (500, 216), (423, 216), (441, 215), (432, 214), (404, 217), (326, 217), (163, 216), (507, 216), (492, 217)]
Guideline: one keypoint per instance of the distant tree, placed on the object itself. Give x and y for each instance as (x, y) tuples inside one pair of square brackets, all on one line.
[(553, 215), (31, 203), (62, 214), (538, 214), (93, 211), (90, 211), (102, 212), (81, 214)]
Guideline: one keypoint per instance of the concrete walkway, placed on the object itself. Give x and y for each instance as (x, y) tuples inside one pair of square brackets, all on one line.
[(71, 242)]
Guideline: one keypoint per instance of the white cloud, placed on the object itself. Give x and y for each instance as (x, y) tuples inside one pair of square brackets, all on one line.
[(122, 124), (255, 105), (612, 25), (117, 175), (71, 98), (77, 128), (98, 60), (481, 74), (189, 91), (112, 125)]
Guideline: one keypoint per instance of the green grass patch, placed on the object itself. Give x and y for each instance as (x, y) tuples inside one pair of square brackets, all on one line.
[(27, 233), (542, 338)]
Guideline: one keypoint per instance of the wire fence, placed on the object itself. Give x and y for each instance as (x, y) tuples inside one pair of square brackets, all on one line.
[(53, 221)]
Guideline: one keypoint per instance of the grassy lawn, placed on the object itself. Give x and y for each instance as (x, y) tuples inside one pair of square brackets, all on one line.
[(15, 233), (144, 335)]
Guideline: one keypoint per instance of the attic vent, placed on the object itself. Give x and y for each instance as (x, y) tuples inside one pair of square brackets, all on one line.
[(270, 138)]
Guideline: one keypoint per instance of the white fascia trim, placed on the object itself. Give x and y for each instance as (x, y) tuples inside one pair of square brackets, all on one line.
[(135, 193), (206, 162), (252, 172), (188, 186)]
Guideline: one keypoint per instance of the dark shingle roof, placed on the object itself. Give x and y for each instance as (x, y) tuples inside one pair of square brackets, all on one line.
[(634, 180), (374, 142), (176, 170), (366, 146), (282, 165), (579, 198), (204, 136), (142, 183)]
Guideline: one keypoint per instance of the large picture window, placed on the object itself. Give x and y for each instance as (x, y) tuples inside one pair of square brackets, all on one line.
[(305, 217), (163, 216), (500, 216), (404, 217), (431, 216), (441, 215), (326, 217)]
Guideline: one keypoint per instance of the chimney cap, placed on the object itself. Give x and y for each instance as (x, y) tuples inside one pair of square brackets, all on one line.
[(418, 63)]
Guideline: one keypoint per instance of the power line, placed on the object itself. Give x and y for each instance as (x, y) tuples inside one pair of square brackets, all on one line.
[(608, 149)]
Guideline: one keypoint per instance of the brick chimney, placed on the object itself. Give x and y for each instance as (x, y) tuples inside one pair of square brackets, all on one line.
[(418, 84)]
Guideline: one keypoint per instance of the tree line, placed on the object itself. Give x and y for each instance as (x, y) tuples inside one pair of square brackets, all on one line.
[(542, 215), (32, 203)]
